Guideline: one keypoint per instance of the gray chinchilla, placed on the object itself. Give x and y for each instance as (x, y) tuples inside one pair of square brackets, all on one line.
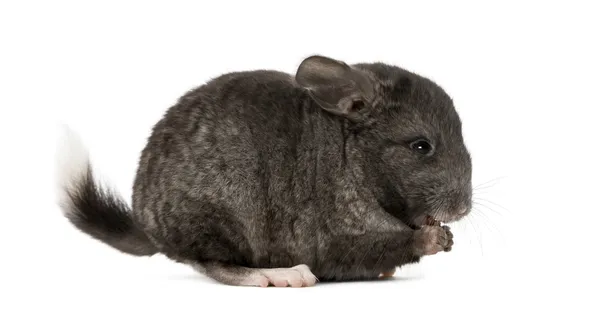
[(258, 178)]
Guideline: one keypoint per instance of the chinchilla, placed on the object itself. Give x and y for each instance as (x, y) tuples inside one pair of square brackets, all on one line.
[(259, 178)]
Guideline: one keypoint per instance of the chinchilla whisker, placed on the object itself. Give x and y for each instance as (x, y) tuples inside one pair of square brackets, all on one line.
[(438, 210), (489, 181), (486, 207), (478, 236), (488, 201), (481, 189), (495, 208), (486, 220)]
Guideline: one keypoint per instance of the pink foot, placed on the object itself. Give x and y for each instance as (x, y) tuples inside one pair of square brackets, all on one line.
[(297, 276)]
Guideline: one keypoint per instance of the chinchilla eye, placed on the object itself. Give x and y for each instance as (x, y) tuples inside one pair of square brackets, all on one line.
[(422, 146), (358, 105)]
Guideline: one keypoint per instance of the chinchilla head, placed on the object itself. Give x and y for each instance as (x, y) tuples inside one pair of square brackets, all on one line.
[(407, 131)]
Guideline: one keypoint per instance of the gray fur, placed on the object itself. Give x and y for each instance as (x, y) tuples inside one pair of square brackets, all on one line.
[(263, 169)]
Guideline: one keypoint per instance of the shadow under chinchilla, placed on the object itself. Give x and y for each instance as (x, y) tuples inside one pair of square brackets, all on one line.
[(395, 278), (381, 280)]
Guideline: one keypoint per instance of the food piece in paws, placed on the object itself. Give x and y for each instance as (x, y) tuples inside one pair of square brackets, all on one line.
[(432, 222)]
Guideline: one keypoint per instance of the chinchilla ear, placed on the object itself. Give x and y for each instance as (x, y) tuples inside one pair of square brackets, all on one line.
[(336, 87)]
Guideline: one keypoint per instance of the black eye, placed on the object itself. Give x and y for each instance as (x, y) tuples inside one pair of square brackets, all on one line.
[(421, 146), (358, 105)]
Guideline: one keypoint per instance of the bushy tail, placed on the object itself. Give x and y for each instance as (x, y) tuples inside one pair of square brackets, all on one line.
[(91, 208)]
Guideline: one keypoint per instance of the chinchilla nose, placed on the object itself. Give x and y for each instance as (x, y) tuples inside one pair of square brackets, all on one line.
[(463, 208), (465, 202)]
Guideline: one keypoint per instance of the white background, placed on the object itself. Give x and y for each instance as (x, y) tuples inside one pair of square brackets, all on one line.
[(524, 77)]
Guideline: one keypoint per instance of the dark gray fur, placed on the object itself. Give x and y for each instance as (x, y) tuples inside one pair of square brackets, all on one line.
[(264, 169)]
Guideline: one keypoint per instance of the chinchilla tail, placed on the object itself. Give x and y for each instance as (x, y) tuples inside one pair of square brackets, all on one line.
[(91, 208)]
